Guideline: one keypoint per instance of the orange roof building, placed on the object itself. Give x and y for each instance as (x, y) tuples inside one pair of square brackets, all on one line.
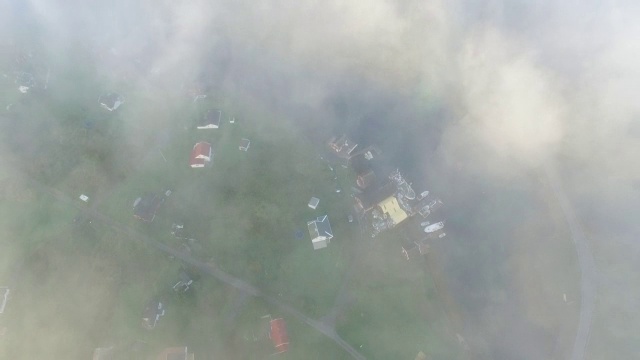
[(278, 335)]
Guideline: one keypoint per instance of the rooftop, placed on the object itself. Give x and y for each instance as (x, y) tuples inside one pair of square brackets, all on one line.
[(211, 119), (392, 209), (200, 154), (111, 101), (278, 334), (313, 203), (145, 207), (320, 232), (373, 195)]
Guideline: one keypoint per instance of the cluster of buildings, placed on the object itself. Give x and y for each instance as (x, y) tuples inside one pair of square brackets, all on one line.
[(383, 202)]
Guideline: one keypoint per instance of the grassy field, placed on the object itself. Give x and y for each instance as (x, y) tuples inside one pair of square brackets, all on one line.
[(81, 284)]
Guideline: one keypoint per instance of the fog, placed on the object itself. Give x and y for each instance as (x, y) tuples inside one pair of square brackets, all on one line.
[(464, 96)]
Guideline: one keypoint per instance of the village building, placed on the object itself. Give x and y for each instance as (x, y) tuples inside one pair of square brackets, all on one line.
[(111, 101), (313, 203), (278, 335), (342, 146), (176, 353), (200, 155), (390, 208), (4, 297), (244, 144), (320, 232), (210, 120), (146, 206), (373, 195), (152, 313)]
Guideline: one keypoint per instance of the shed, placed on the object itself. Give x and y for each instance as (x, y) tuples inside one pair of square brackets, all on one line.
[(278, 335), (313, 203), (320, 232)]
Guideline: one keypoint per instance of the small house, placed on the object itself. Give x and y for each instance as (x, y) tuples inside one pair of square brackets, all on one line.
[(320, 232), (200, 154), (176, 353), (210, 120), (365, 179), (313, 203), (152, 313), (343, 146), (278, 335), (146, 206), (244, 144), (111, 101)]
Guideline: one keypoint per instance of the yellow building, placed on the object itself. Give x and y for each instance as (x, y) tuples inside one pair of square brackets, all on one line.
[(392, 209)]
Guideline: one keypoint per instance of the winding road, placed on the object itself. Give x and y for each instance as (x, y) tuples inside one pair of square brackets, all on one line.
[(585, 259)]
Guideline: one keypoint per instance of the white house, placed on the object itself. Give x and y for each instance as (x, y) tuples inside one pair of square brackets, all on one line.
[(320, 232), (313, 203)]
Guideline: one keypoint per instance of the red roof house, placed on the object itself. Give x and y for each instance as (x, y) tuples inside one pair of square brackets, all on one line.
[(200, 154), (278, 334)]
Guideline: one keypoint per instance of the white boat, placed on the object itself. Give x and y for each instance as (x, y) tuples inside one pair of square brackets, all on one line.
[(434, 227)]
